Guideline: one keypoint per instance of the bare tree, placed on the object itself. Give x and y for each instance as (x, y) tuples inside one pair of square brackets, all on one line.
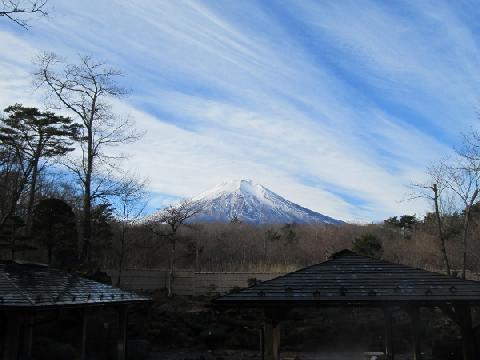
[(464, 181), (84, 89), (131, 203), (435, 190), (454, 185), (166, 225), (18, 10)]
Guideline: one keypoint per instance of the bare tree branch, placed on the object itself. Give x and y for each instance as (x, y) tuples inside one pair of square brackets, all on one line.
[(18, 10)]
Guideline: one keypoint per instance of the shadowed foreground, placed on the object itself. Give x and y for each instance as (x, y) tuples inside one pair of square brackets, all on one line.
[(244, 355)]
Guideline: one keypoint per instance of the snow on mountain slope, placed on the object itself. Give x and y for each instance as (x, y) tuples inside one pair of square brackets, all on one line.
[(252, 203)]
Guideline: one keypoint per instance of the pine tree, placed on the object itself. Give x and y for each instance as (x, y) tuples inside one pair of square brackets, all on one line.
[(34, 137), (54, 226)]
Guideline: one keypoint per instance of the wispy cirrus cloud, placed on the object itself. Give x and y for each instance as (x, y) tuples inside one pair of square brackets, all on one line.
[(335, 105)]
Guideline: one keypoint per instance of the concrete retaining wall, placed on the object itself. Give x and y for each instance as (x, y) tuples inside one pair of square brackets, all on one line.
[(188, 282)]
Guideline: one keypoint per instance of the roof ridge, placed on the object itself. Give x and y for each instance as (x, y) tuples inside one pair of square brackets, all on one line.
[(289, 273)]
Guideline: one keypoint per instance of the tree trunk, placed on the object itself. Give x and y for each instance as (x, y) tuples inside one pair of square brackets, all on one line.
[(13, 245), (50, 252), (265, 249), (172, 267), (197, 255), (15, 197), (466, 224), (31, 196), (440, 230), (122, 255), (87, 200)]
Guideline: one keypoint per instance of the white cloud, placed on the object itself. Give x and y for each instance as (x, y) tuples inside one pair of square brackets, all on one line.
[(232, 91)]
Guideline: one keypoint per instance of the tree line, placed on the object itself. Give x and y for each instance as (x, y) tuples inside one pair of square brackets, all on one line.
[(61, 178)]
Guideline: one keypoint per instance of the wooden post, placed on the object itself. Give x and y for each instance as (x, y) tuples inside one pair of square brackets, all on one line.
[(388, 334), (468, 340), (415, 318), (83, 334), (27, 336), (262, 343), (12, 336), (271, 338), (122, 332)]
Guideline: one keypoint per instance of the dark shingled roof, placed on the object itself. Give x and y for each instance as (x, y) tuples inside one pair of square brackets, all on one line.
[(39, 286), (351, 279)]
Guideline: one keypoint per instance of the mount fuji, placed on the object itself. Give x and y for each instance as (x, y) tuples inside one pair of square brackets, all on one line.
[(252, 203)]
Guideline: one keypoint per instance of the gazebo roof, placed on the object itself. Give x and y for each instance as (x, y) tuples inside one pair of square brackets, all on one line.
[(351, 279), (38, 286)]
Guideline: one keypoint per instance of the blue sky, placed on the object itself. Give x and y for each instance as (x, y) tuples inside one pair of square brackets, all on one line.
[(335, 105)]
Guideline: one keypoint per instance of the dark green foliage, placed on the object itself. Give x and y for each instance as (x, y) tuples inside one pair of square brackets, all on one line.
[(235, 220), (290, 234), (30, 130), (102, 217), (12, 237), (102, 232), (31, 137), (272, 235), (368, 245), (54, 226), (406, 223)]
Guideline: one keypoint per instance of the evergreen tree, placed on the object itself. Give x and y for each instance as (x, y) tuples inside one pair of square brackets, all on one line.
[(11, 237), (102, 232), (54, 226), (34, 137), (368, 245)]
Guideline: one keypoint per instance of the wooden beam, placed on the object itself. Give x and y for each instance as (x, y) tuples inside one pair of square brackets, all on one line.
[(83, 334), (414, 313), (271, 338), (122, 332), (12, 336), (387, 312)]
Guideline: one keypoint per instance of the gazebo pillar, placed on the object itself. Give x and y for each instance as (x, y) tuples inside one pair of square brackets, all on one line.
[(122, 332), (387, 312), (271, 336), (28, 324), (83, 334), (466, 328), (414, 313)]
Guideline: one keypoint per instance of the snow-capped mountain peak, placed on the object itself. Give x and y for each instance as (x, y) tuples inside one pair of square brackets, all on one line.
[(245, 186), (252, 203)]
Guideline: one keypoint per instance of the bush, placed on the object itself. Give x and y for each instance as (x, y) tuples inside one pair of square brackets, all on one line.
[(368, 245)]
